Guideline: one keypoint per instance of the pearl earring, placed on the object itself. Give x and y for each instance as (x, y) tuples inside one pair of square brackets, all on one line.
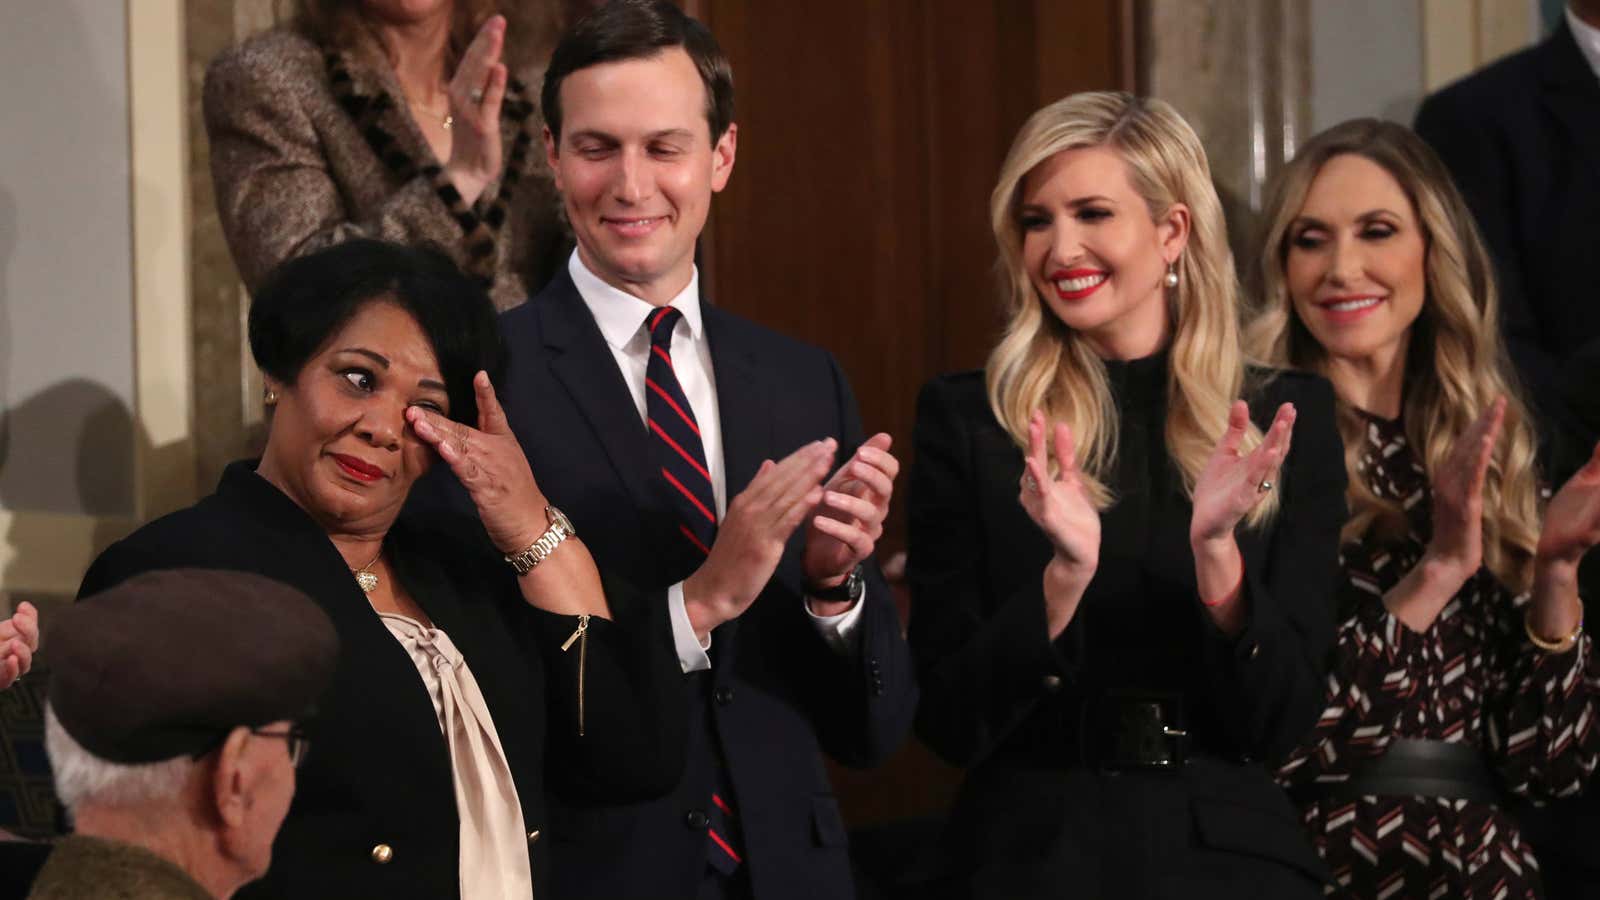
[(1172, 275)]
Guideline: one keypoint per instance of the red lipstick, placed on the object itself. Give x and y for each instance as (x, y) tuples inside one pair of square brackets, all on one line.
[(1087, 282), (357, 468)]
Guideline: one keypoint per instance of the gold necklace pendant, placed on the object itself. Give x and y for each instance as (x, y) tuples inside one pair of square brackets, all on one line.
[(365, 577)]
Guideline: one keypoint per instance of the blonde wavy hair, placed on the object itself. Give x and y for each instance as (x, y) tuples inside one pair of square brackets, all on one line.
[(1040, 363), (1457, 363)]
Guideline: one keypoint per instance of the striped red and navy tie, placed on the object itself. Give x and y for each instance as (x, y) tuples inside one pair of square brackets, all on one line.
[(680, 456), (675, 446)]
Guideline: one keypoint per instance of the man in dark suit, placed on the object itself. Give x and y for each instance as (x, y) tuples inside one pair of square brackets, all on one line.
[(1522, 138), (692, 447)]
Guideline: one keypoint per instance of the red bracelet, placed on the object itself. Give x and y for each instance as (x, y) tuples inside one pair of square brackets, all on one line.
[(1233, 594)]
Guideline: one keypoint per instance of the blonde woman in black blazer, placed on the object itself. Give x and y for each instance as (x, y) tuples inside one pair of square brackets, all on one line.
[(1121, 572)]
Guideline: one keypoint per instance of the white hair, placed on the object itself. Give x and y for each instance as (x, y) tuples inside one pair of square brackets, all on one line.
[(81, 777)]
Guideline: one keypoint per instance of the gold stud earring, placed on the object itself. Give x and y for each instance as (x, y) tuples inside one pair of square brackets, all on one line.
[(270, 398)]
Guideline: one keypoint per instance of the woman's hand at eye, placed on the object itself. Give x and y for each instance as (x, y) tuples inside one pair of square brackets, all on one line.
[(490, 464)]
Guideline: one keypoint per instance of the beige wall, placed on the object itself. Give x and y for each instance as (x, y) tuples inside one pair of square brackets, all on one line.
[(1460, 36), (1257, 77), (1382, 57), (1358, 70), (66, 326), (94, 369)]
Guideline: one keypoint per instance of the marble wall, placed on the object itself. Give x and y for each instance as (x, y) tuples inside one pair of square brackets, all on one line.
[(1257, 77), (227, 387), (1239, 71)]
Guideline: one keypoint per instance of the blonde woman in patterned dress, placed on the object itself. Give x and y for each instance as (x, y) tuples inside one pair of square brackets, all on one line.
[(1462, 670)]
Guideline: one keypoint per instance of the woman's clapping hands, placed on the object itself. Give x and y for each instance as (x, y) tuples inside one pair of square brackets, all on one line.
[(1060, 505), (1064, 511), (1232, 482), (476, 92), (1457, 543), (19, 639)]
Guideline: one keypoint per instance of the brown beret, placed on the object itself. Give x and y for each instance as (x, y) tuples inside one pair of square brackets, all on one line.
[(166, 663)]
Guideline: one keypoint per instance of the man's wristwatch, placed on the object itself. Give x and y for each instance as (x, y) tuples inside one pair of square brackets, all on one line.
[(851, 588), (560, 529)]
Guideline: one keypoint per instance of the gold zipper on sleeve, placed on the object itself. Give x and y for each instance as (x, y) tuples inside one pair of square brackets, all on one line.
[(581, 636)]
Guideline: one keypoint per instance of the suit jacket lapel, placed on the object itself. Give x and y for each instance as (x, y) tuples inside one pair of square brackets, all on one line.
[(1572, 92), (582, 361), (744, 399)]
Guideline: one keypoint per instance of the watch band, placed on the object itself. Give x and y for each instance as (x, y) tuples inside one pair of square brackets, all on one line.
[(851, 588), (537, 552)]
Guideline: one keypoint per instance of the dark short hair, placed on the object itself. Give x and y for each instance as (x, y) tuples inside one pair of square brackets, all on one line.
[(639, 29), (302, 302)]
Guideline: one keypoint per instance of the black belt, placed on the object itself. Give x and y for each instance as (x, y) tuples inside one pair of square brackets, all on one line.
[(1133, 731), (1413, 768)]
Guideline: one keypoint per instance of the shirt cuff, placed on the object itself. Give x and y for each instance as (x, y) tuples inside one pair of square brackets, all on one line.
[(841, 632), (692, 654)]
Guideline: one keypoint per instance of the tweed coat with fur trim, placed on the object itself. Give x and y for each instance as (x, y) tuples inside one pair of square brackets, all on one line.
[(311, 146)]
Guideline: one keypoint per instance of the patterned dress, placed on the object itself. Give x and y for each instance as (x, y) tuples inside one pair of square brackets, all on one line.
[(1473, 677)]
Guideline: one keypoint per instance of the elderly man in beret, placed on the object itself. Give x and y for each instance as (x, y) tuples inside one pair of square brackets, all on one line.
[(171, 731)]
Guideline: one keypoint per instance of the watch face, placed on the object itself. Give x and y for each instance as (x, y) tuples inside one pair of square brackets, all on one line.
[(557, 517)]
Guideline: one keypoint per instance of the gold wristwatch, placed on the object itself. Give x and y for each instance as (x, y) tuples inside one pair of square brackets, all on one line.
[(560, 529)]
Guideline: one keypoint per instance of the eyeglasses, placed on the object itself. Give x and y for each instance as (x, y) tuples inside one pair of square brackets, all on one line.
[(299, 744)]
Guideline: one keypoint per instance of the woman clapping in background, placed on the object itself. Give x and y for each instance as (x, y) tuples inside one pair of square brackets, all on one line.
[(412, 122), (1462, 666)]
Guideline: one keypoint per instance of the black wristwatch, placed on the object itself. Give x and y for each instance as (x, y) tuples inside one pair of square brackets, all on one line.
[(851, 588)]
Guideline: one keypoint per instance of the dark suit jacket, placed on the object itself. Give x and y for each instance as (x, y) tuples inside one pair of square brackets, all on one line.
[(378, 771), (1002, 700), (777, 694), (1522, 138)]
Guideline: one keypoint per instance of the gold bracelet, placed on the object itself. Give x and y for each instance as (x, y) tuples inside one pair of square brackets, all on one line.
[(1557, 646)]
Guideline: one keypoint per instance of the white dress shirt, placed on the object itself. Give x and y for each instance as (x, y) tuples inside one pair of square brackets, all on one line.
[(621, 317), (1588, 38)]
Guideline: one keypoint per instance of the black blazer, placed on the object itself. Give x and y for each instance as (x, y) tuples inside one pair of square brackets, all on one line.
[(378, 771), (1522, 138), (777, 695), (1003, 701)]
